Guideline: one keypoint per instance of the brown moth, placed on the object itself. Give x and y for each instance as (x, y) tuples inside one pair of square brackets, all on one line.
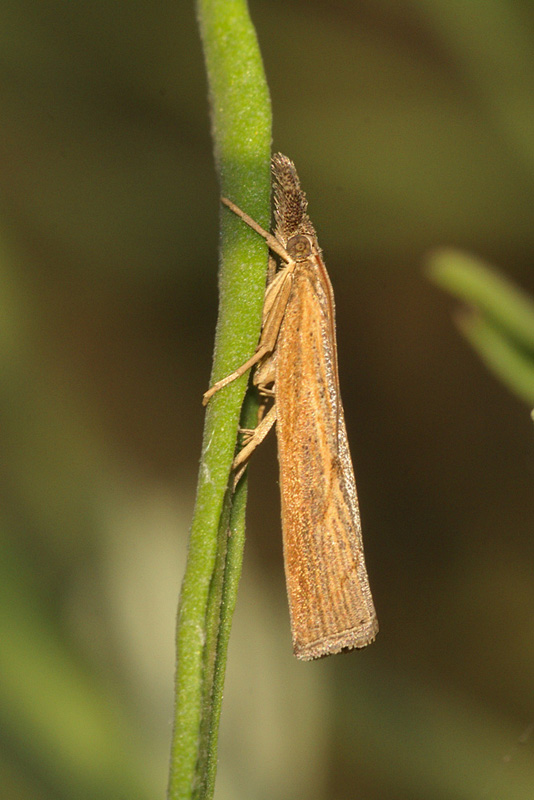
[(330, 601)]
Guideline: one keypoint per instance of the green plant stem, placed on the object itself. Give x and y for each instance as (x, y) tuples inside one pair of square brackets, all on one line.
[(241, 127)]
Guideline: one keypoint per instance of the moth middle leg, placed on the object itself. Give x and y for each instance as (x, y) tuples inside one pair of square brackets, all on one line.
[(254, 438), (263, 379)]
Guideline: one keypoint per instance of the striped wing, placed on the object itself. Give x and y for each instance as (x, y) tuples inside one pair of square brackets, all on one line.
[(329, 596)]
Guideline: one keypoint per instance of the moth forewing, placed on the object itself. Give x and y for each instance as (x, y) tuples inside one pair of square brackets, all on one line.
[(330, 601), (329, 596)]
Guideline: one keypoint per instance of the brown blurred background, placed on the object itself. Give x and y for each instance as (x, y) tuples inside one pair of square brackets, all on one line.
[(411, 125)]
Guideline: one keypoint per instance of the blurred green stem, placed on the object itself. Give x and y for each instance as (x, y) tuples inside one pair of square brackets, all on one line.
[(241, 127), (498, 321), (484, 288), (512, 365)]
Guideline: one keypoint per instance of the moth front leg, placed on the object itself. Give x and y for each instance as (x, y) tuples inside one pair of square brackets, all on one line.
[(261, 351)]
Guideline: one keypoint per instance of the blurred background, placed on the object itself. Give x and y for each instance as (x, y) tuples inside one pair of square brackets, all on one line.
[(411, 124)]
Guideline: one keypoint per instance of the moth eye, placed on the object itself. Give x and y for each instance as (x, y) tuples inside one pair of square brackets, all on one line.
[(299, 247)]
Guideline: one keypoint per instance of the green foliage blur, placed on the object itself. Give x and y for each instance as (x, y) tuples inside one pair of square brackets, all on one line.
[(498, 319), (411, 125)]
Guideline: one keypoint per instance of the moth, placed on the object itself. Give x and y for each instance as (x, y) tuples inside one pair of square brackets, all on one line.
[(295, 369)]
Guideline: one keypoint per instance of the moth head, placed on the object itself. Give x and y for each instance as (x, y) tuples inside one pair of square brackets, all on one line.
[(290, 202), (299, 247)]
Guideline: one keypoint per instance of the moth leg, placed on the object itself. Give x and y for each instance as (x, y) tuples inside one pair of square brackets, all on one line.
[(264, 376), (271, 269), (256, 437), (276, 297), (278, 293), (268, 394), (276, 246), (261, 351), (247, 433), (263, 409)]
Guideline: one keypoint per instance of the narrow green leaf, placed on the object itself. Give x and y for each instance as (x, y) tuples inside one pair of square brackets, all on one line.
[(481, 286), (511, 365)]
